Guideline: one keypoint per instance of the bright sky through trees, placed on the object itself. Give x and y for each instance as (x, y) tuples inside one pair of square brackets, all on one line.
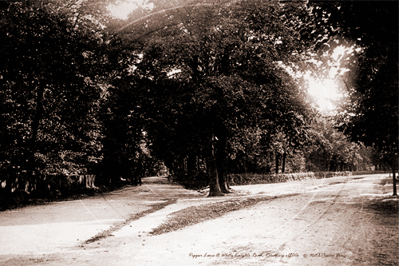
[(123, 8), (325, 91)]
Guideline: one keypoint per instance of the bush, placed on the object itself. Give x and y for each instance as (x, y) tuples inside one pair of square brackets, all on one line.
[(196, 181)]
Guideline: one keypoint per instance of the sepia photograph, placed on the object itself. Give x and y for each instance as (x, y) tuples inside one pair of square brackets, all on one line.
[(199, 132)]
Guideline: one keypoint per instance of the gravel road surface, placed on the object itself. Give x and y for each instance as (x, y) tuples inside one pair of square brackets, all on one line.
[(334, 221)]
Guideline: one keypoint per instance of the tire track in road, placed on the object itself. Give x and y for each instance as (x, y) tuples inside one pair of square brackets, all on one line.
[(334, 201), (300, 231), (351, 225), (362, 228), (287, 231), (299, 213), (337, 236)]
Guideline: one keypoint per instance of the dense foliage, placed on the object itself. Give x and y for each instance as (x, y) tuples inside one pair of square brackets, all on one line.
[(195, 88), (371, 114), (50, 76)]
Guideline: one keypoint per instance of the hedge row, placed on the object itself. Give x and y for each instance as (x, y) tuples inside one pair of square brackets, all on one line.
[(371, 172), (250, 179)]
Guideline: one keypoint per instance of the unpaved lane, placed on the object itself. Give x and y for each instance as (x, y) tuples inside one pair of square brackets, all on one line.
[(61, 225), (342, 224), (339, 221)]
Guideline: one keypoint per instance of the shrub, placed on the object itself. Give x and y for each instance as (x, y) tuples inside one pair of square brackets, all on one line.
[(197, 180)]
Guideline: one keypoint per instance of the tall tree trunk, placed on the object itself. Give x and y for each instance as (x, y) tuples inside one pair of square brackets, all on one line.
[(197, 158), (191, 165), (34, 132), (277, 162), (393, 175), (194, 68), (221, 160), (214, 187), (283, 163)]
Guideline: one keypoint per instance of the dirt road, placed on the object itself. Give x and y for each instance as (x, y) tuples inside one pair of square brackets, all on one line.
[(335, 221)]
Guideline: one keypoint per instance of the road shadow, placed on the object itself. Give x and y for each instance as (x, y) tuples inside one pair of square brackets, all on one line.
[(386, 205)]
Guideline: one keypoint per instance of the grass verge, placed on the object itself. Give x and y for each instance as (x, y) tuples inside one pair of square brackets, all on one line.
[(107, 233), (197, 214)]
